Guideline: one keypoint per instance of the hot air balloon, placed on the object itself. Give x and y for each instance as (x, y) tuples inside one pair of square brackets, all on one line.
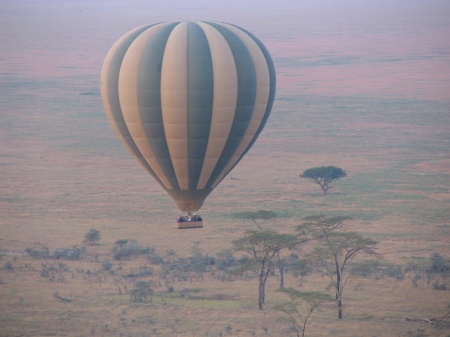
[(188, 100)]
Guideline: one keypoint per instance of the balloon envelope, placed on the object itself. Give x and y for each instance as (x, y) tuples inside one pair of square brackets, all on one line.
[(188, 100)]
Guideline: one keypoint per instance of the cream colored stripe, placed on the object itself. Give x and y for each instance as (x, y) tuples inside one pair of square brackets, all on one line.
[(224, 102), (128, 86), (174, 101), (104, 82), (262, 97)]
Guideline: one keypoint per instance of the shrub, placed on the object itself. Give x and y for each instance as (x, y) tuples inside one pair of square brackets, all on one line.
[(8, 266), (298, 267), (129, 249), (376, 269), (438, 265), (38, 251), (92, 237), (141, 291), (394, 271), (107, 265), (68, 253), (439, 286)]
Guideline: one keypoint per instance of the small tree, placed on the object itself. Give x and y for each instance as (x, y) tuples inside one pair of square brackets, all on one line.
[(92, 237), (262, 247), (324, 176), (142, 290), (336, 249), (300, 307)]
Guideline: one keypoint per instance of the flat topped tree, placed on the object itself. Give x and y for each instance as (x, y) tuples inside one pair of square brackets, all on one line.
[(324, 176)]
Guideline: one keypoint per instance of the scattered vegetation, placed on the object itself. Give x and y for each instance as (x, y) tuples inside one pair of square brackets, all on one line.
[(152, 277), (321, 245), (324, 176)]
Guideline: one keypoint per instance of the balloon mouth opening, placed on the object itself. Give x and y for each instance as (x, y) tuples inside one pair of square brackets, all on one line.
[(189, 200)]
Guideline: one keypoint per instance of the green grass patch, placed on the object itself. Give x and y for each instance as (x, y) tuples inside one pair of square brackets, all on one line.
[(198, 301)]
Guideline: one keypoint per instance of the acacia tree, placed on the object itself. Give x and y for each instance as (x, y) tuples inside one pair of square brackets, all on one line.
[(300, 307), (262, 246), (324, 176), (92, 237), (336, 249)]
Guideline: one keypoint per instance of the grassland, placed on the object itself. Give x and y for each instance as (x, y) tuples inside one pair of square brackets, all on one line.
[(396, 190)]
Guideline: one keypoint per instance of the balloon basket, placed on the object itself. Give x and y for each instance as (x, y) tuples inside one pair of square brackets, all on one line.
[(189, 221)]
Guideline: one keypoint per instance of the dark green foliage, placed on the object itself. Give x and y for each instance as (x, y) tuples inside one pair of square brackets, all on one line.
[(435, 272), (54, 272), (38, 251), (324, 176), (92, 237), (182, 269), (121, 242), (61, 298), (439, 286), (141, 291), (68, 253), (377, 270), (130, 249), (225, 260), (8, 266), (107, 264), (142, 272), (438, 265), (229, 329), (298, 267)]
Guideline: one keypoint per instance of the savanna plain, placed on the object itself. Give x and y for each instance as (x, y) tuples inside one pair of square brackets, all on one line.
[(365, 88)]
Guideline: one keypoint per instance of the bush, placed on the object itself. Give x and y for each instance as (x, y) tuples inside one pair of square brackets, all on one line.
[(8, 266), (107, 265), (438, 265), (129, 249), (141, 291), (153, 257), (225, 259), (376, 269), (68, 253), (439, 286), (38, 251), (298, 267), (143, 271), (92, 237), (394, 271)]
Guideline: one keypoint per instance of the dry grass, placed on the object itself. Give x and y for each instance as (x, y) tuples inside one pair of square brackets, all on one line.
[(394, 191)]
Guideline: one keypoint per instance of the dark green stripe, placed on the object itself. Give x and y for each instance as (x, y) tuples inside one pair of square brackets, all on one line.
[(271, 98), (200, 100), (149, 98), (245, 100), (112, 89)]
